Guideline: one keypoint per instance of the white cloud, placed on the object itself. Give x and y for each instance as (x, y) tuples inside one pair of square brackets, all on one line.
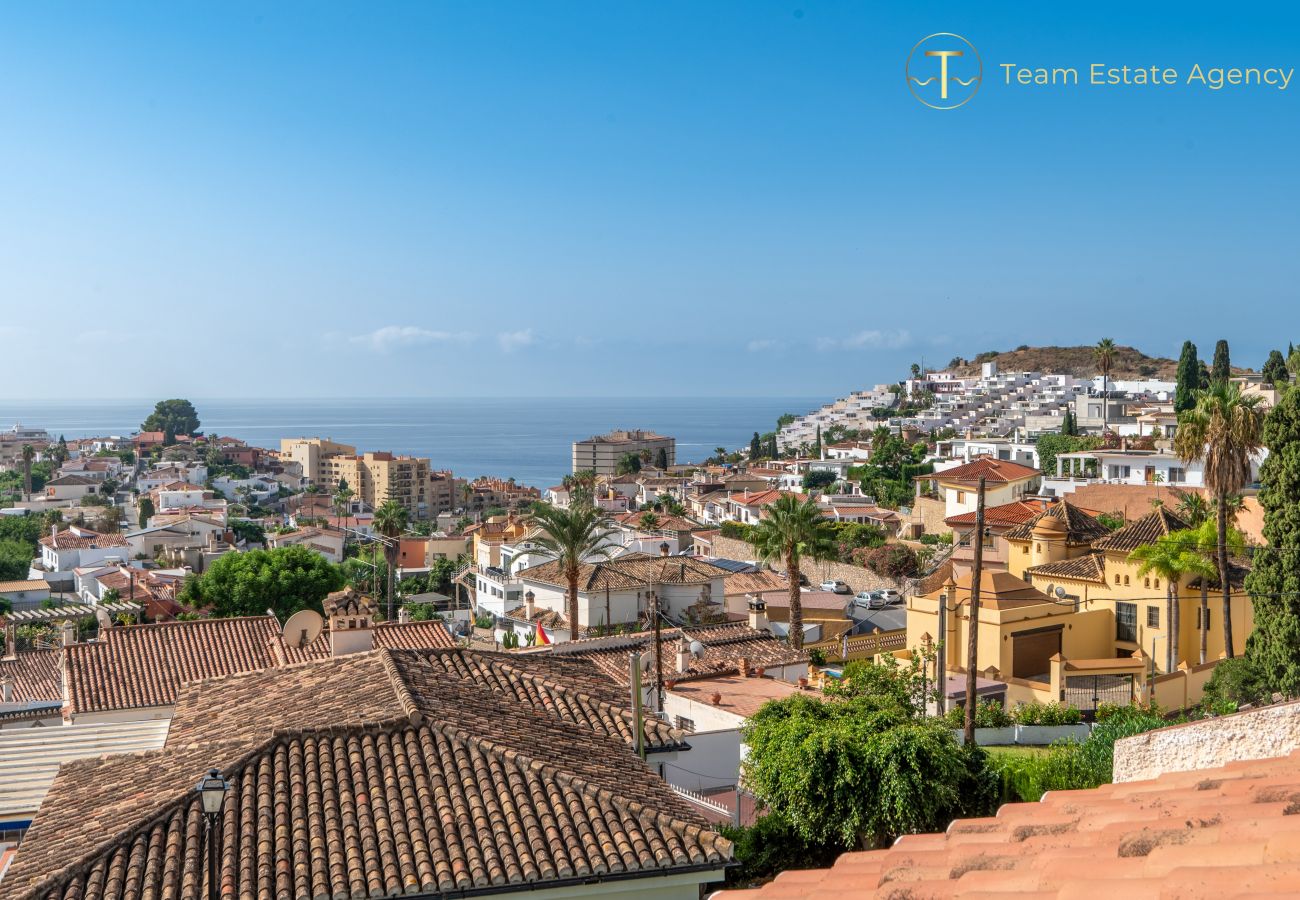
[(871, 339), (382, 340), (758, 346), (511, 341)]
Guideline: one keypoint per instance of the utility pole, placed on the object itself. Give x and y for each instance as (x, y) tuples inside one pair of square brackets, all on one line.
[(973, 620), (634, 678), (659, 649), (949, 595)]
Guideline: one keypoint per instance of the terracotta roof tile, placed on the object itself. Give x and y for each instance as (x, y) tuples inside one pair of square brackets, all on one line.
[(382, 774), (629, 571), (82, 539), (34, 674), (1080, 528), (998, 471), (1213, 833), (1155, 524), (1088, 567)]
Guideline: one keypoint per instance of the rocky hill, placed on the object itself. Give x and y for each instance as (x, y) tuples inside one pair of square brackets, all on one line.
[(1078, 361)]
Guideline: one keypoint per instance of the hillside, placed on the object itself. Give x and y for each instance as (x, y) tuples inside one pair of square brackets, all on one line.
[(1078, 361)]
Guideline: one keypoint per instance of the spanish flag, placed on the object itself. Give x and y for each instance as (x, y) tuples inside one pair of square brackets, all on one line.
[(541, 635)]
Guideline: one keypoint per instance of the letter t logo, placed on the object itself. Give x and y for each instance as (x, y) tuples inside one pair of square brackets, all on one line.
[(943, 68)]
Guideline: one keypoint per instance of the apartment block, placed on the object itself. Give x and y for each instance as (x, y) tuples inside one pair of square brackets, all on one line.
[(601, 453), (374, 477)]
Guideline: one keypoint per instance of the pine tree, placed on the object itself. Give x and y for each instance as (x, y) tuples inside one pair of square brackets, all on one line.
[(661, 459), (817, 447), (772, 450), (1274, 581), (1221, 371), (755, 449), (1189, 378), (1274, 370)]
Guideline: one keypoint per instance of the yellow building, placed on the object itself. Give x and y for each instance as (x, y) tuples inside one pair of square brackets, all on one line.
[(1072, 620)]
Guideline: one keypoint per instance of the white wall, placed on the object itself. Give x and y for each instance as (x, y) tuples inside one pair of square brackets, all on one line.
[(712, 762)]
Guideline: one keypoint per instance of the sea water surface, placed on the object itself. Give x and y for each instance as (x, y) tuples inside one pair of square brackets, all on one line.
[(527, 438)]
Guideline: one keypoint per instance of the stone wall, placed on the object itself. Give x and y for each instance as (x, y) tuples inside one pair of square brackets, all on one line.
[(856, 577), (1256, 734)]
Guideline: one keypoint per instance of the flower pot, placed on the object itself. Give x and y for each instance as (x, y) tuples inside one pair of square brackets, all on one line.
[(803, 683), (758, 673), (715, 698)]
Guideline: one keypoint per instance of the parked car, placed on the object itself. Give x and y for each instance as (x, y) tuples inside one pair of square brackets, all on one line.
[(869, 600), (836, 587), (891, 596)]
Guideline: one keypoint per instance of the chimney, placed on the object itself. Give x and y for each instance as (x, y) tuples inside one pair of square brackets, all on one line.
[(663, 549), (351, 618), (683, 657), (757, 612), (530, 605), (404, 615), (69, 632)]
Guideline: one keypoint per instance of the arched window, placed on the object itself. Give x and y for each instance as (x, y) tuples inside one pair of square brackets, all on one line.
[(1125, 581)]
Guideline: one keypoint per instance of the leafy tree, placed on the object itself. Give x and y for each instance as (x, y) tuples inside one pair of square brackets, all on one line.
[(818, 480), (890, 561), (59, 454), (661, 459), (172, 417), (1237, 682), (861, 771), (146, 511), (390, 520), (785, 419), (283, 580), (755, 448), (1275, 371), (1104, 353), (1221, 370), (1274, 581), (440, 575), (571, 537), (15, 560), (1224, 431), (1051, 446), (628, 464), (1189, 378), (790, 531), (249, 531), (771, 846)]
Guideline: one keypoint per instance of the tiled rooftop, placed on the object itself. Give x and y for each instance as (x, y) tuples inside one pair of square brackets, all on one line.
[(629, 571), (34, 675), (1215, 834), (1155, 524), (1080, 527), (994, 471), (379, 774)]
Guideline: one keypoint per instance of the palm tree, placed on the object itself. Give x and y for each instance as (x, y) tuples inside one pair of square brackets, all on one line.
[(571, 537), (1192, 507), (1224, 430), (28, 455), (648, 522), (390, 521), (1104, 354), (342, 504), (1205, 544), (790, 530), (1170, 556)]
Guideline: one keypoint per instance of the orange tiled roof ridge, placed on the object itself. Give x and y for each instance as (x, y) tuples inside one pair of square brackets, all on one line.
[(1216, 833)]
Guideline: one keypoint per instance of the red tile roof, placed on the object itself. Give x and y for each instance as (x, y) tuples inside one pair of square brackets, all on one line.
[(34, 675), (381, 774), (996, 471), (1004, 515), (1155, 524), (82, 539), (1214, 834)]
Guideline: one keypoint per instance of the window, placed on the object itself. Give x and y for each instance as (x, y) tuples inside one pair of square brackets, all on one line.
[(961, 496), (1177, 475), (1117, 578), (1153, 617), (1202, 612), (1146, 582), (685, 724), (1156, 583), (1126, 622), (1125, 581), (1120, 471)]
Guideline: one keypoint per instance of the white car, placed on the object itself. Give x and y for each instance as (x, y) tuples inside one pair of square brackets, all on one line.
[(891, 596), (870, 600), (836, 587)]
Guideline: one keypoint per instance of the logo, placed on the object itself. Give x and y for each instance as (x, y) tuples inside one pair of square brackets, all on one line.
[(944, 71)]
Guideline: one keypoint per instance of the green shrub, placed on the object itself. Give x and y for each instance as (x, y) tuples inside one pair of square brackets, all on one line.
[(1047, 714), (737, 530), (772, 845), (1237, 682), (988, 714)]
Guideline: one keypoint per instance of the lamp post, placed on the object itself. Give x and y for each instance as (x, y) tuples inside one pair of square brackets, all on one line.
[(212, 793)]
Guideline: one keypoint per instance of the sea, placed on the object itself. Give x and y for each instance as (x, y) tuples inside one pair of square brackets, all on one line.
[(529, 439)]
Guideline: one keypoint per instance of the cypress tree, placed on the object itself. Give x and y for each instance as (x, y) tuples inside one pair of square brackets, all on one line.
[(1222, 368), (1067, 424), (817, 447), (1204, 378), (1189, 378), (755, 450), (1274, 581)]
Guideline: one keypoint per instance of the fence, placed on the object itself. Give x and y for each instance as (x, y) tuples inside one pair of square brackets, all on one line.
[(862, 646)]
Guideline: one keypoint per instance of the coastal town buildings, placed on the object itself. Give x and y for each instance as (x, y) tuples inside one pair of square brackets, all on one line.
[(373, 477), (601, 453)]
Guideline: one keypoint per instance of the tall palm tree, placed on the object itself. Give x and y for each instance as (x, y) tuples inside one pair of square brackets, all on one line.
[(571, 537), (390, 520), (1104, 354), (342, 504), (790, 530), (1205, 543), (1224, 430), (28, 456), (1170, 556)]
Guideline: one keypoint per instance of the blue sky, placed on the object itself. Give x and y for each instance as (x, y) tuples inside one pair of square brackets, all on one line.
[(490, 198)]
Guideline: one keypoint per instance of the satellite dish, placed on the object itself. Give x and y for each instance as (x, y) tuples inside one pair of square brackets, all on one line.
[(302, 628), (1060, 593), (103, 618), (646, 660), (697, 650)]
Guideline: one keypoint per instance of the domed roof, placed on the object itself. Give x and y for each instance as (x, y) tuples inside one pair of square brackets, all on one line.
[(1049, 525)]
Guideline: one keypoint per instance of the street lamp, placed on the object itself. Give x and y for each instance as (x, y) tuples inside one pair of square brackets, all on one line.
[(212, 793)]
